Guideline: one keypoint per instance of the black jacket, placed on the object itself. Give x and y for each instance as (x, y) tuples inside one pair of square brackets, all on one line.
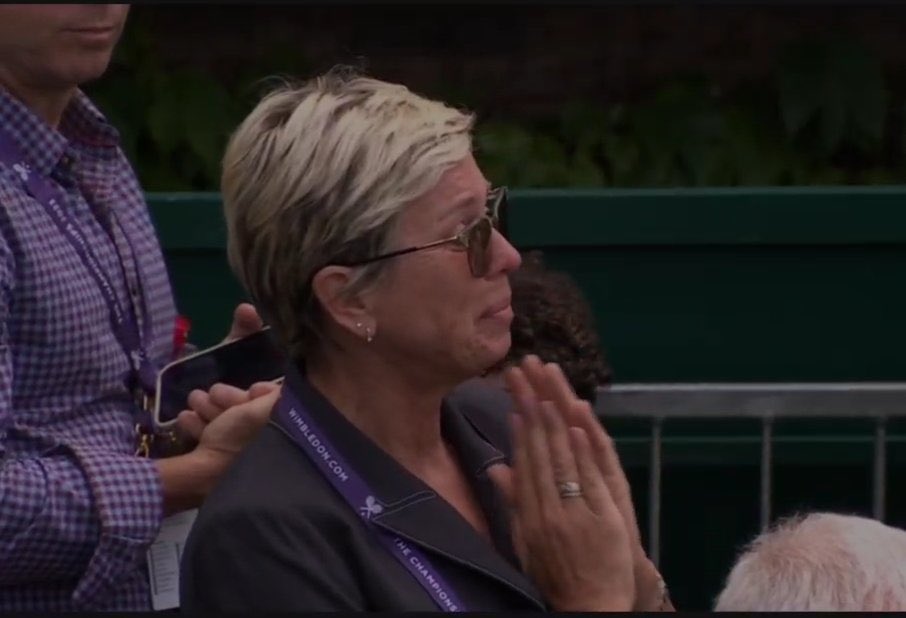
[(275, 535)]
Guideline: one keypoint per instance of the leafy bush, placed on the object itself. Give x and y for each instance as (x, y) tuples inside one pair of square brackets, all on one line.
[(822, 120), (174, 121)]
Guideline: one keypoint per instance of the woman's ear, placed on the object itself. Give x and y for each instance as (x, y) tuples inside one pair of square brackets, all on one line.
[(350, 311)]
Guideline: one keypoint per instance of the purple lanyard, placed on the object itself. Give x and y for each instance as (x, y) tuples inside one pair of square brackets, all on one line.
[(295, 420), (125, 323)]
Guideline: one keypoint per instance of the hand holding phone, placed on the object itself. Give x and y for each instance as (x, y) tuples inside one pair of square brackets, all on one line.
[(239, 363)]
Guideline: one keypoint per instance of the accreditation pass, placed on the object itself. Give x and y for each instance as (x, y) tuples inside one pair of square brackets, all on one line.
[(164, 557)]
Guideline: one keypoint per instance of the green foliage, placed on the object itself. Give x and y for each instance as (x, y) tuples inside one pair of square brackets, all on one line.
[(822, 119), (175, 119), (836, 88)]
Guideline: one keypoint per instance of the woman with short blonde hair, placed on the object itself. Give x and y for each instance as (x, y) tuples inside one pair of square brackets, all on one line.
[(366, 234)]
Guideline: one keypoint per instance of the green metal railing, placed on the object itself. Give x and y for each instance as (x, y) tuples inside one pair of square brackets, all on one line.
[(767, 403)]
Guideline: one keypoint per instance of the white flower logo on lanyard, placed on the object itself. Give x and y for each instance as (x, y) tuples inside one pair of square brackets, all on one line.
[(22, 170), (371, 508)]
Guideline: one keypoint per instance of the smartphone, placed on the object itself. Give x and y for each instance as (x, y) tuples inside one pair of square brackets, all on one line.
[(240, 363)]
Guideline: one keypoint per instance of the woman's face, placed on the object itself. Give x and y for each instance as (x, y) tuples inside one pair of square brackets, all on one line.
[(430, 312)]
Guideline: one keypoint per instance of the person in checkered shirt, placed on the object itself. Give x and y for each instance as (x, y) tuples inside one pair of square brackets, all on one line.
[(78, 507)]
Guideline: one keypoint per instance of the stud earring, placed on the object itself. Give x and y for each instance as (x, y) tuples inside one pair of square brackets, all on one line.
[(369, 335)]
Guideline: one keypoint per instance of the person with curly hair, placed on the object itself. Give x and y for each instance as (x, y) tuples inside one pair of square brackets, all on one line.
[(554, 321)]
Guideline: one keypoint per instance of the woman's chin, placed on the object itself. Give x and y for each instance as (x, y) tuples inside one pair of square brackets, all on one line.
[(482, 354), (497, 349)]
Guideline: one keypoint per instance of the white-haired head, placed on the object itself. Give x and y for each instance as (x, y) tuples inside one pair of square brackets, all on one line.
[(820, 562)]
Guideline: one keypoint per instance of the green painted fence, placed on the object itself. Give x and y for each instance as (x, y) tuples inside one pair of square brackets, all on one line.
[(800, 284), (717, 285)]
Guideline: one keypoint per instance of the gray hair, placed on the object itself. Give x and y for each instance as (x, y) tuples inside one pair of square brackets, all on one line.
[(318, 173), (820, 562)]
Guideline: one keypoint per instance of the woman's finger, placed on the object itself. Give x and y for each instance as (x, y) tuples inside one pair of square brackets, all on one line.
[(519, 388), (601, 444), (562, 460), (551, 384), (597, 495), (189, 422), (562, 394), (262, 388), (579, 413), (533, 368), (538, 449), (605, 456), (209, 405), (246, 321), (200, 402), (225, 396)]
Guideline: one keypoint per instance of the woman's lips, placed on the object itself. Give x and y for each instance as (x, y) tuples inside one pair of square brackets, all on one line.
[(93, 35), (502, 309)]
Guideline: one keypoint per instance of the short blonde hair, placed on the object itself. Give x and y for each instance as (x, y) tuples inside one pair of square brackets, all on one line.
[(318, 173)]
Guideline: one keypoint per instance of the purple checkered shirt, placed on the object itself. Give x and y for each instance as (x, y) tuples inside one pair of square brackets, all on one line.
[(77, 508)]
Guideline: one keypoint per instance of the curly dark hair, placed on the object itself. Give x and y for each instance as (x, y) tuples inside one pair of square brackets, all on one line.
[(554, 321)]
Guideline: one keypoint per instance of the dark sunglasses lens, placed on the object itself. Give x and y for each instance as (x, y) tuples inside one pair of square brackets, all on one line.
[(479, 246)]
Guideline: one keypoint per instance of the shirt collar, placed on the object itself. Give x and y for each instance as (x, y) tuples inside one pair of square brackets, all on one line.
[(81, 126), (83, 122)]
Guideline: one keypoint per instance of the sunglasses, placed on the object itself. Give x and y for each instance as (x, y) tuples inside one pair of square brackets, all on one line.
[(474, 239)]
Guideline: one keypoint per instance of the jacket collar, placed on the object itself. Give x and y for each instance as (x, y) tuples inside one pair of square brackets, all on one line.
[(410, 508)]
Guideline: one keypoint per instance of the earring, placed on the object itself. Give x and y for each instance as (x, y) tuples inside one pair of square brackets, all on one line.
[(369, 335)]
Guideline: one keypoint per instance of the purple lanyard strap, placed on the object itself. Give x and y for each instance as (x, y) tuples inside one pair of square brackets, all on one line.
[(125, 323), (295, 420)]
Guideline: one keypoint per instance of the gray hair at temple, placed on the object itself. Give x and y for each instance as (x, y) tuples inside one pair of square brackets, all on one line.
[(820, 562), (318, 173)]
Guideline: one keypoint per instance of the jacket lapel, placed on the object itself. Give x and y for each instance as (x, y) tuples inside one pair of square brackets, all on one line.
[(404, 505), (436, 526)]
